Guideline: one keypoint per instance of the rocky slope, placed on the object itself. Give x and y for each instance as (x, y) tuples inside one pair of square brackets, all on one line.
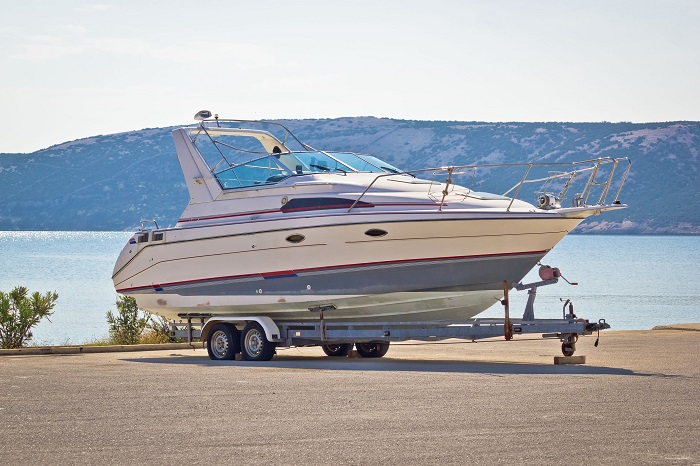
[(112, 182)]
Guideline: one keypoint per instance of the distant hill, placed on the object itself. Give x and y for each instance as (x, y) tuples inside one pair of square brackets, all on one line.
[(112, 182)]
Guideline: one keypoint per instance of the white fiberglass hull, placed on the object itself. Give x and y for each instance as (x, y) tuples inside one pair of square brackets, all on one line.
[(429, 267)]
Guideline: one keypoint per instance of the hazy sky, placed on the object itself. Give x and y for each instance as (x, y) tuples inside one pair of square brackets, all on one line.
[(72, 69)]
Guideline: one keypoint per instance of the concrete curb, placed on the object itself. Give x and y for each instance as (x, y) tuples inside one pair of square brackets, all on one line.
[(77, 349)]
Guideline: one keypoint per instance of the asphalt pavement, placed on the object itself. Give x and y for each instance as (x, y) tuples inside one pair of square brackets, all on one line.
[(635, 401)]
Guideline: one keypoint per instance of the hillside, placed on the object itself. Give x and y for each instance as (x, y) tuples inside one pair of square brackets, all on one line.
[(112, 182)]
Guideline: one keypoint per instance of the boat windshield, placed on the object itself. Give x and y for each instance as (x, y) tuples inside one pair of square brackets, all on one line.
[(276, 167), (382, 165), (256, 172), (315, 162), (320, 161), (242, 156), (358, 163)]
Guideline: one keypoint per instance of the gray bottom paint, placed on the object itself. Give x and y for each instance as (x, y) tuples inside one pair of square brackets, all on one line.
[(467, 274)]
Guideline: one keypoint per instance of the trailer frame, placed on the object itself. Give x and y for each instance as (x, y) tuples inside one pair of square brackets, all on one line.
[(333, 333), (324, 332)]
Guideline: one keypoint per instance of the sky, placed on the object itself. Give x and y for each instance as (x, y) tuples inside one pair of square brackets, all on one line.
[(75, 69)]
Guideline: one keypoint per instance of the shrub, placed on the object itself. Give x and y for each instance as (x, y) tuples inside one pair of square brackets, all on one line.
[(126, 326), (158, 331), (19, 312)]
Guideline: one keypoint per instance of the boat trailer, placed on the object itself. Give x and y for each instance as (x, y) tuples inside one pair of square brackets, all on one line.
[(261, 335)]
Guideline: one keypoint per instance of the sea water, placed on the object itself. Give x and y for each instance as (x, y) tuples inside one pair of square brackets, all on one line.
[(633, 282), (75, 264)]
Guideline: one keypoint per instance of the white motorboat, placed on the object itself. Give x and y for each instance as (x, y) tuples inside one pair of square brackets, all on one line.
[(275, 228)]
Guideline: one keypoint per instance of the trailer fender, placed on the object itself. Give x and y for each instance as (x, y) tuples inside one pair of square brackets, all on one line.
[(272, 331)]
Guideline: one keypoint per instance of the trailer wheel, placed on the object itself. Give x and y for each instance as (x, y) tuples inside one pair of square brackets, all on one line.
[(222, 342), (254, 345), (372, 350), (337, 350), (568, 349)]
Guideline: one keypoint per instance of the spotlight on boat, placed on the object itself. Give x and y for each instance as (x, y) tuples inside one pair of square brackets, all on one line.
[(549, 201), (202, 115)]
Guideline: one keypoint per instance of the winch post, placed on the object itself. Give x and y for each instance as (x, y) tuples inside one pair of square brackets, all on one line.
[(529, 313), (549, 276)]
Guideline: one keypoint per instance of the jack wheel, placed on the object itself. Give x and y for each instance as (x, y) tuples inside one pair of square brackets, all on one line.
[(568, 349), (254, 345), (337, 350), (222, 342), (372, 350)]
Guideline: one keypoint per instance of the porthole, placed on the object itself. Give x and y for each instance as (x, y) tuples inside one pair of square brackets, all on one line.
[(375, 232), (296, 238)]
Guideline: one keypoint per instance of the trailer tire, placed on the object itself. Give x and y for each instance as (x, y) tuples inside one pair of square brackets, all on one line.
[(254, 345), (337, 350), (222, 342), (372, 350)]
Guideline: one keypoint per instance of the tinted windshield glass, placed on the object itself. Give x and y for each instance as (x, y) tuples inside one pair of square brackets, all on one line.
[(314, 162), (381, 164), (256, 172), (352, 160)]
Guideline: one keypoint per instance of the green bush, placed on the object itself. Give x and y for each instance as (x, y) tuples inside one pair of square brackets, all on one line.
[(19, 312), (126, 326), (158, 331), (129, 327)]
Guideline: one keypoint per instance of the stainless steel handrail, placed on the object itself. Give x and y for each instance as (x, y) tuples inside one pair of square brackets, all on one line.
[(579, 167), (580, 200)]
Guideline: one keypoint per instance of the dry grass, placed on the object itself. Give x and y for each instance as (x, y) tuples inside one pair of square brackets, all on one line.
[(154, 337), (149, 337)]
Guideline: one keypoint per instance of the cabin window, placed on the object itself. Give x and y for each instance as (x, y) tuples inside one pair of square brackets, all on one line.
[(322, 203)]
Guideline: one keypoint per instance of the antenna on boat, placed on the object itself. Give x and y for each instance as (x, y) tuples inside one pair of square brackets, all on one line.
[(203, 115)]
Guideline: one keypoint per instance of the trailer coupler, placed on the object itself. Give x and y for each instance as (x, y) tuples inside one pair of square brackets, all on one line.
[(597, 326)]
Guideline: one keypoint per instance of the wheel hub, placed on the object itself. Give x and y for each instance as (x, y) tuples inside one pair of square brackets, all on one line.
[(253, 342), (221, 343)]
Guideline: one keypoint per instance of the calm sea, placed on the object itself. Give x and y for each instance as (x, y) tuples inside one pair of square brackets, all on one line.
[(634, 282)]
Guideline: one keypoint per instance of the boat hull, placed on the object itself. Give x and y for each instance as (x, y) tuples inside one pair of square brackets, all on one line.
[(425, 268)]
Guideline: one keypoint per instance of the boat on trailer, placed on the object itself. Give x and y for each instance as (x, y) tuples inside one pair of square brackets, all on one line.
[(275, 228)]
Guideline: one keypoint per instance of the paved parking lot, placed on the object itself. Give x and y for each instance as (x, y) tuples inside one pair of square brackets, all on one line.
[(636, 401)]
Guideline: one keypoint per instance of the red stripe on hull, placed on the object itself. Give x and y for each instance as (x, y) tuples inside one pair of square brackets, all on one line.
[(278, 274)]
